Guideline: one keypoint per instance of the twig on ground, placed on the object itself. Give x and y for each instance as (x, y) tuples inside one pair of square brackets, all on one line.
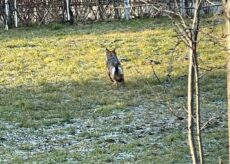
[(207, 123)]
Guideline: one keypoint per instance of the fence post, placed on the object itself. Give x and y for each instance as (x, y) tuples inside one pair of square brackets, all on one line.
[(127, 9), (15, 14), (6, 5)]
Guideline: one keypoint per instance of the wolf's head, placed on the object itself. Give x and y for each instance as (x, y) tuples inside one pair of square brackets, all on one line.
[(110, 54), (112, 57)]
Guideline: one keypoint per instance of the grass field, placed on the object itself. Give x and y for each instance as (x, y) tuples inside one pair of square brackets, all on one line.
[(57, 104)]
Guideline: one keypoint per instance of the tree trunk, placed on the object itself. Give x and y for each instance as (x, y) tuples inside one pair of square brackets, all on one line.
[(227, 32), (127, 9), (197, 95), (6, 6), (116, 11), (191, 107), (195, 32), (15, 14), (182, 7), (194, 98), (187, 10), (100, 9), (193, 81), (226, 6), (45, 13), (69, 12)]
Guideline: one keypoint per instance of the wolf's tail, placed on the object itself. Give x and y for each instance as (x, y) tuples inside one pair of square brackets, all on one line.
[(118, 74), (118, 70)]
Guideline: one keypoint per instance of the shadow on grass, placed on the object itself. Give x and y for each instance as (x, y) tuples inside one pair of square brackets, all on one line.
[(50, 103)]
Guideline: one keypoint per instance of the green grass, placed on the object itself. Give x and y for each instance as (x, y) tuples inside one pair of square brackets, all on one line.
[(57, 104)]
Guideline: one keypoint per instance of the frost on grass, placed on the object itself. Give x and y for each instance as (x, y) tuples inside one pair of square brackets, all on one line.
[(81, 135)]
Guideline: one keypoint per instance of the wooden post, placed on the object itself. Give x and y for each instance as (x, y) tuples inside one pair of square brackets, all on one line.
[(15, 14), (7, 14), (127, 9)]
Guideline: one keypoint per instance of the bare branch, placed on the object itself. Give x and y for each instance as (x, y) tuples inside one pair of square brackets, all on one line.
[(155, 74), (180, 15), (173, 112), (207, 123), (212, 3)]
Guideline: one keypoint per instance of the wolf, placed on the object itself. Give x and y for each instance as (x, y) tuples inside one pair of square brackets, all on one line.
[(114, 68)]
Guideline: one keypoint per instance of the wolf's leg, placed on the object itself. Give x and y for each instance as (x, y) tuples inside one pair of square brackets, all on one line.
[(115, 83), (123, 83), (110, 76)]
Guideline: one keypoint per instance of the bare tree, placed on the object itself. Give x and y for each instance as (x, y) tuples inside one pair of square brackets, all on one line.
[(187, 32), (193, 82)]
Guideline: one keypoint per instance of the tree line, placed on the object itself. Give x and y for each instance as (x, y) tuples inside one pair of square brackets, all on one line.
[(14, 13)]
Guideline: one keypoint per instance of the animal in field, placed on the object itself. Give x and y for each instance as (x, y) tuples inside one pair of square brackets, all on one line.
[(114, 68)]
